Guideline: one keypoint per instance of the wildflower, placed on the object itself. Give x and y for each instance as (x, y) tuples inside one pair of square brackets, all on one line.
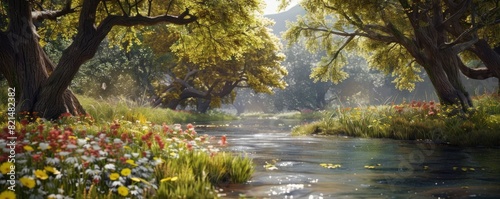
[(51, 170), (81, 142), (116, 183), (126, 172), (114, 176), (123, 191), (131, 162), (223, 141), (44, 146), (110, 167), (52, 161), (36, 157), (71, 146), (27, 182), (71, 160), (8, 195), (6, 167), (41, 174), (190, 127), (28, 148), (431, 112)]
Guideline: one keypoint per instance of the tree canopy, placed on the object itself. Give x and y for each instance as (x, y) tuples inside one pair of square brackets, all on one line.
[(204, 34), (400, 37)]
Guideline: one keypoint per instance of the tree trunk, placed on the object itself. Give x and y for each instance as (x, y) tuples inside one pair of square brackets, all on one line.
[(203, 105), (27, 68)]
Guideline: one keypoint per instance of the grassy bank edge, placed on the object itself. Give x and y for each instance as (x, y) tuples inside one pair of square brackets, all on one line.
[(414, 121)]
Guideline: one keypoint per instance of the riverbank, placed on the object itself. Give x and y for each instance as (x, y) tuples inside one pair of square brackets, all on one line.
[(416, 120), (119, 150)]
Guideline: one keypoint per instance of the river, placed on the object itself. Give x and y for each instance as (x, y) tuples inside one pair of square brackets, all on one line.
[(342, 167)]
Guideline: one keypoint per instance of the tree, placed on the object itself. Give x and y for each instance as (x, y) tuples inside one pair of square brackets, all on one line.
[(302, 92), (212, 81), (401, 36), (42, 85)]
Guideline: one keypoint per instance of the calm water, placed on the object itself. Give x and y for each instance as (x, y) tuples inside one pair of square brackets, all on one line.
[(369, 168)]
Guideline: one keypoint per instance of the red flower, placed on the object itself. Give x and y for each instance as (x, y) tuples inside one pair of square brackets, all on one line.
[(24, 122), (223, 141), (36, 157), (431, 112), (63, 115), (189, 146)]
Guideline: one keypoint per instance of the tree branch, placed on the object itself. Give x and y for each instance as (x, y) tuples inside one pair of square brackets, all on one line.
[(41, 15), (113, 20), (478, 73), (465, 45)]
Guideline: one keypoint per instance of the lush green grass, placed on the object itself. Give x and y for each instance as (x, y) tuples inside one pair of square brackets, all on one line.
[(416, 120), (123, 109)]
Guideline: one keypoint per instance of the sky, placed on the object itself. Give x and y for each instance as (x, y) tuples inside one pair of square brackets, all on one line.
[(272, 6)]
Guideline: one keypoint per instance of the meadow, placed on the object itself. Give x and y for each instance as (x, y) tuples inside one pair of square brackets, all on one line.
[(116, 151)]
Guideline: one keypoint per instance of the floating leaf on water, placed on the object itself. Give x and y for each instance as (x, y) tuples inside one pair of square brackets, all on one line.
[(269, 166), (472, 169), (455, 168), (464, 168), (426, 167), (369, 167), (330, 166)]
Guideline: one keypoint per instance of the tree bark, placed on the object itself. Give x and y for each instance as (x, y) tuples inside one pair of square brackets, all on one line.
[(203, 105)]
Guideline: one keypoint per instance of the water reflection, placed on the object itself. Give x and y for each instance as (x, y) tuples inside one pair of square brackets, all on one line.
[(369, 168)]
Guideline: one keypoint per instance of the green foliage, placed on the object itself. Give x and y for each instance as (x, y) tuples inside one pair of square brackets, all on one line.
[(415, 121), (124, 109), (79, 158)]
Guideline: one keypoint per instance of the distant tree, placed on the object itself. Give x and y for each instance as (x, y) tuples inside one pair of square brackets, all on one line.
[(401, 36), (213, 82), (302, 92)]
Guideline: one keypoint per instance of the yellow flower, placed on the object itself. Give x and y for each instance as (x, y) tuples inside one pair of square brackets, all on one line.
[(131, 162), (126, 172), (41, 174), (27, 182), (8, 195), (28, 148), (5, 168), (51, 170), (114, 176), (123, 191)]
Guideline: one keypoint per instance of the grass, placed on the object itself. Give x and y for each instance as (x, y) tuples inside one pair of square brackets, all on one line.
[(415, 120), (123, 109), (123, 151), (78, 158)]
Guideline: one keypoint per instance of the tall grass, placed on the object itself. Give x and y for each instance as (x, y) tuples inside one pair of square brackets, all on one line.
[(415, 120), (123, 109)]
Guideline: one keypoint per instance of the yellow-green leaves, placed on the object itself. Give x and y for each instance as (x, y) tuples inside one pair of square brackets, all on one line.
[(341, 28)]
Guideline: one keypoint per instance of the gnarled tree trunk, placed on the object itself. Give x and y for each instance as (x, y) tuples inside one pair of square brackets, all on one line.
[(27, 68)]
